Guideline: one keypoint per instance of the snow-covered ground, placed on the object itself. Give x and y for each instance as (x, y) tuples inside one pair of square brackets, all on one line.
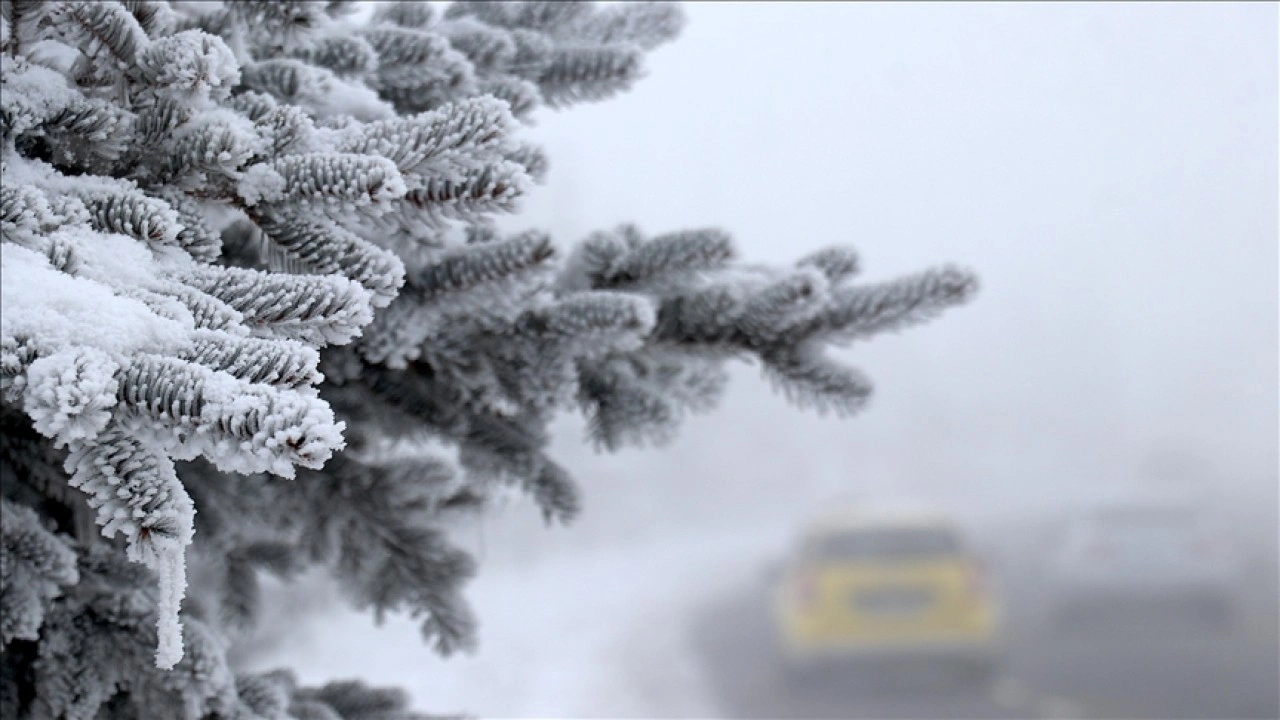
[(590, 633)]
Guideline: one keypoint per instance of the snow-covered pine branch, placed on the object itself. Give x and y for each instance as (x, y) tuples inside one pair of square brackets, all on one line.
[(249, 246)]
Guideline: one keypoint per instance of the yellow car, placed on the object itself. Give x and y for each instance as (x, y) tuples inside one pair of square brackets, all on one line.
[(885, 588)]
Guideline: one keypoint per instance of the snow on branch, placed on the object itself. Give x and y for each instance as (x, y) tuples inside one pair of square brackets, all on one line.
[(136, 492), (258, 314), (35, 568), (324, 247), (316, 309), (107, 33)]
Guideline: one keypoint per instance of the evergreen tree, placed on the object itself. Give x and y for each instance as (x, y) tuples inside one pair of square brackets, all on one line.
[(258, 317)]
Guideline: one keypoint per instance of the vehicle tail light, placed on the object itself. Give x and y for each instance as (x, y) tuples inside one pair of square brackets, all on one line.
[(978, 579), (806, 588)]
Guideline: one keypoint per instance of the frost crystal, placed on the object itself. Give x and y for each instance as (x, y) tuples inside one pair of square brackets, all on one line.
[(71, 393), (259, 238)]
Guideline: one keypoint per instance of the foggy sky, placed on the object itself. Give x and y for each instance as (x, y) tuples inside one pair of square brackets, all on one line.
[(1109, 170)]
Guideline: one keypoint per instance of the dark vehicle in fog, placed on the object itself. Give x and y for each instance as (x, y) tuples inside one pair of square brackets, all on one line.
[(875, 592), (1144, 561)]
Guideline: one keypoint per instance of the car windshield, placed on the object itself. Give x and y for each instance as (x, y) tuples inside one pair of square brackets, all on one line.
[(887, 544)]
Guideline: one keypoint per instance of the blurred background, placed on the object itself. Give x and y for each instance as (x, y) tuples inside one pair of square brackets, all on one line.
[(1110, 171)]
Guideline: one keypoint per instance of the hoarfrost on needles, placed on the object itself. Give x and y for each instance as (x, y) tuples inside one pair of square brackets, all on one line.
[(260, 237), (57, 310)]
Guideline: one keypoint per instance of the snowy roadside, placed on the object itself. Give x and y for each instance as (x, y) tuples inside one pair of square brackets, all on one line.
[(590, 633)]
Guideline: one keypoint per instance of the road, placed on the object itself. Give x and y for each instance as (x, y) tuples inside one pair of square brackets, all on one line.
[(679, 628), (1100, 674), (732, 637), (1099, 671)]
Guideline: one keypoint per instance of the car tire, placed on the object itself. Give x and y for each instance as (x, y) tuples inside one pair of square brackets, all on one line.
[(1218, 613), (798, 677), (1064, 619), (974, 674), (985, 672)]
